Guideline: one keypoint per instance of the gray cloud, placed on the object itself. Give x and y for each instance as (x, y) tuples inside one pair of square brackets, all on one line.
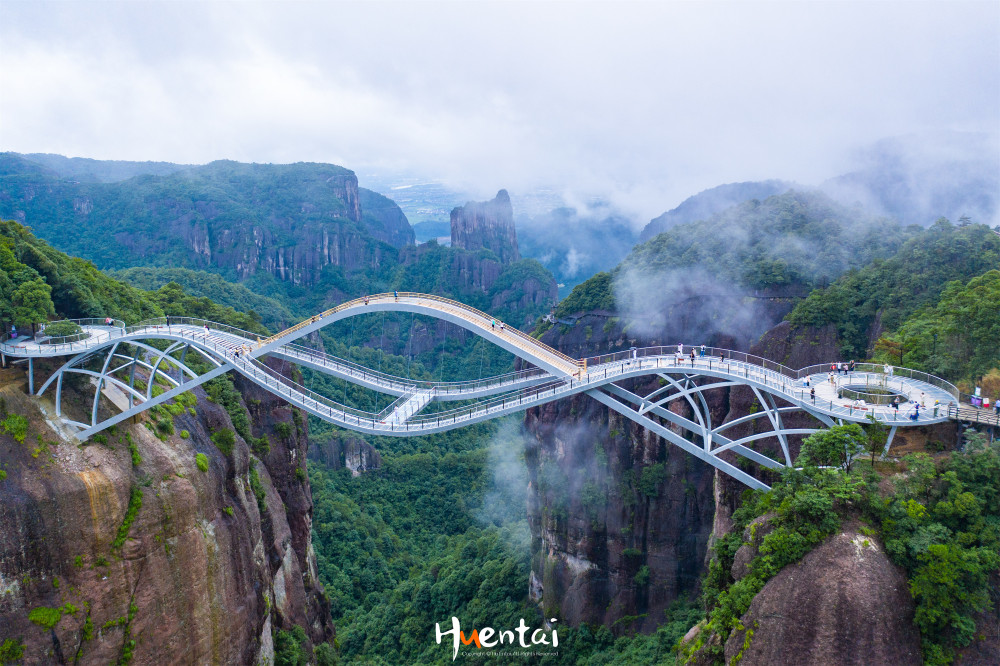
[(638, 103)]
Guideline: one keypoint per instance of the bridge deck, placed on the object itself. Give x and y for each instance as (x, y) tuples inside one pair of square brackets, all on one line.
[(517, 391)]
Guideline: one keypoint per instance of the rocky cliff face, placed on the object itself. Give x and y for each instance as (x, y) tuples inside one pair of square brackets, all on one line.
[(486, 225), (141, 553), (619, 518), (384, 219), (322, 235), (288, 221), (351, 452), (843, 603)]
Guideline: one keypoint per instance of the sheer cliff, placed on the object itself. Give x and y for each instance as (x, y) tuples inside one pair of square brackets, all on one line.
[(486, 225), (289, 222), (162, 541)]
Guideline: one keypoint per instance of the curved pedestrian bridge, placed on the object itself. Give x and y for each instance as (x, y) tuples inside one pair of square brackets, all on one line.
[(115, 355)]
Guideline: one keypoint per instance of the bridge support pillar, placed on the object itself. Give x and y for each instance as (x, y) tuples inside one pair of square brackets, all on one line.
[(888, 440), (31, 376)]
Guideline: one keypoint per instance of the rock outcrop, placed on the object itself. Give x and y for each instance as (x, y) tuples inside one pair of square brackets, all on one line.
[(486, 225), (843, 603), (384, 219), (128, 547), (619, 518), (288, 221), (351, 452)]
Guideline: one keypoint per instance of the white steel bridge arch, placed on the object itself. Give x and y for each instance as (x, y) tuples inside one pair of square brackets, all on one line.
[(682, 377)]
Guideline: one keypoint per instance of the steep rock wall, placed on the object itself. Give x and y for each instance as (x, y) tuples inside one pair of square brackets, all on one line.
[(619, 517), (384, 219), (486, 225), (607, 498), (843, 603), (202, 572)]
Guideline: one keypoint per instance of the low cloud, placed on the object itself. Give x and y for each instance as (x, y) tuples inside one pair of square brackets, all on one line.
[(641, 104)]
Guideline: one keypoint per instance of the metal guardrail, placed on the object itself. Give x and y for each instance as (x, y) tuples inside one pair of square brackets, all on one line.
[(398, 383), (769, 365), (68, 342), (528, 343), (849, 393), (524, 398), (737, 364)]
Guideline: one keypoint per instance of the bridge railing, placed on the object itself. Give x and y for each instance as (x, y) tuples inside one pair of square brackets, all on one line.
[(400, 383), (716, 352), (527, 342), (41, 338), (895, 371), (598, 375), (770, 374), (769, 365), (160, 323), (973, 414), (288, 388), (68, 343)]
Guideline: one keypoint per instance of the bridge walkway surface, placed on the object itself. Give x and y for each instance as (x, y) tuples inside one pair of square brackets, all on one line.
[(681, 376)]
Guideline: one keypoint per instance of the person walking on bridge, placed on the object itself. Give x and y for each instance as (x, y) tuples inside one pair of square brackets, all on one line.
[(396, 294), (680, 348), (703, 351), (692, 357), (812, 394)]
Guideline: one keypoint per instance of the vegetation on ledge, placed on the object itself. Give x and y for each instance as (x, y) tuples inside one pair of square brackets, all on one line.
[(941, 524)]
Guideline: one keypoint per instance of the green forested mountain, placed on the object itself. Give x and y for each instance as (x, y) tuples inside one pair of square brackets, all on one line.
[(104, 171), (39, 283), (284, 229), (785, 244), (955, 337), (885, 293), (74, 287), (272, 313), (711, 202), (797, 238)]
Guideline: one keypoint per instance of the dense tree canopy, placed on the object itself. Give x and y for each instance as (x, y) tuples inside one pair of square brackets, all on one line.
[(889, 291)]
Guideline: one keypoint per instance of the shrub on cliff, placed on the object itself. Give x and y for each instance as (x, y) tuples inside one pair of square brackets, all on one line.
[(11, 651), (943, 527), (45, 617), (16, 426)]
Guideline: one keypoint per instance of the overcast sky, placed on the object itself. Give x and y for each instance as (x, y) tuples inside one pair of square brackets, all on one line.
[(644, 103)]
